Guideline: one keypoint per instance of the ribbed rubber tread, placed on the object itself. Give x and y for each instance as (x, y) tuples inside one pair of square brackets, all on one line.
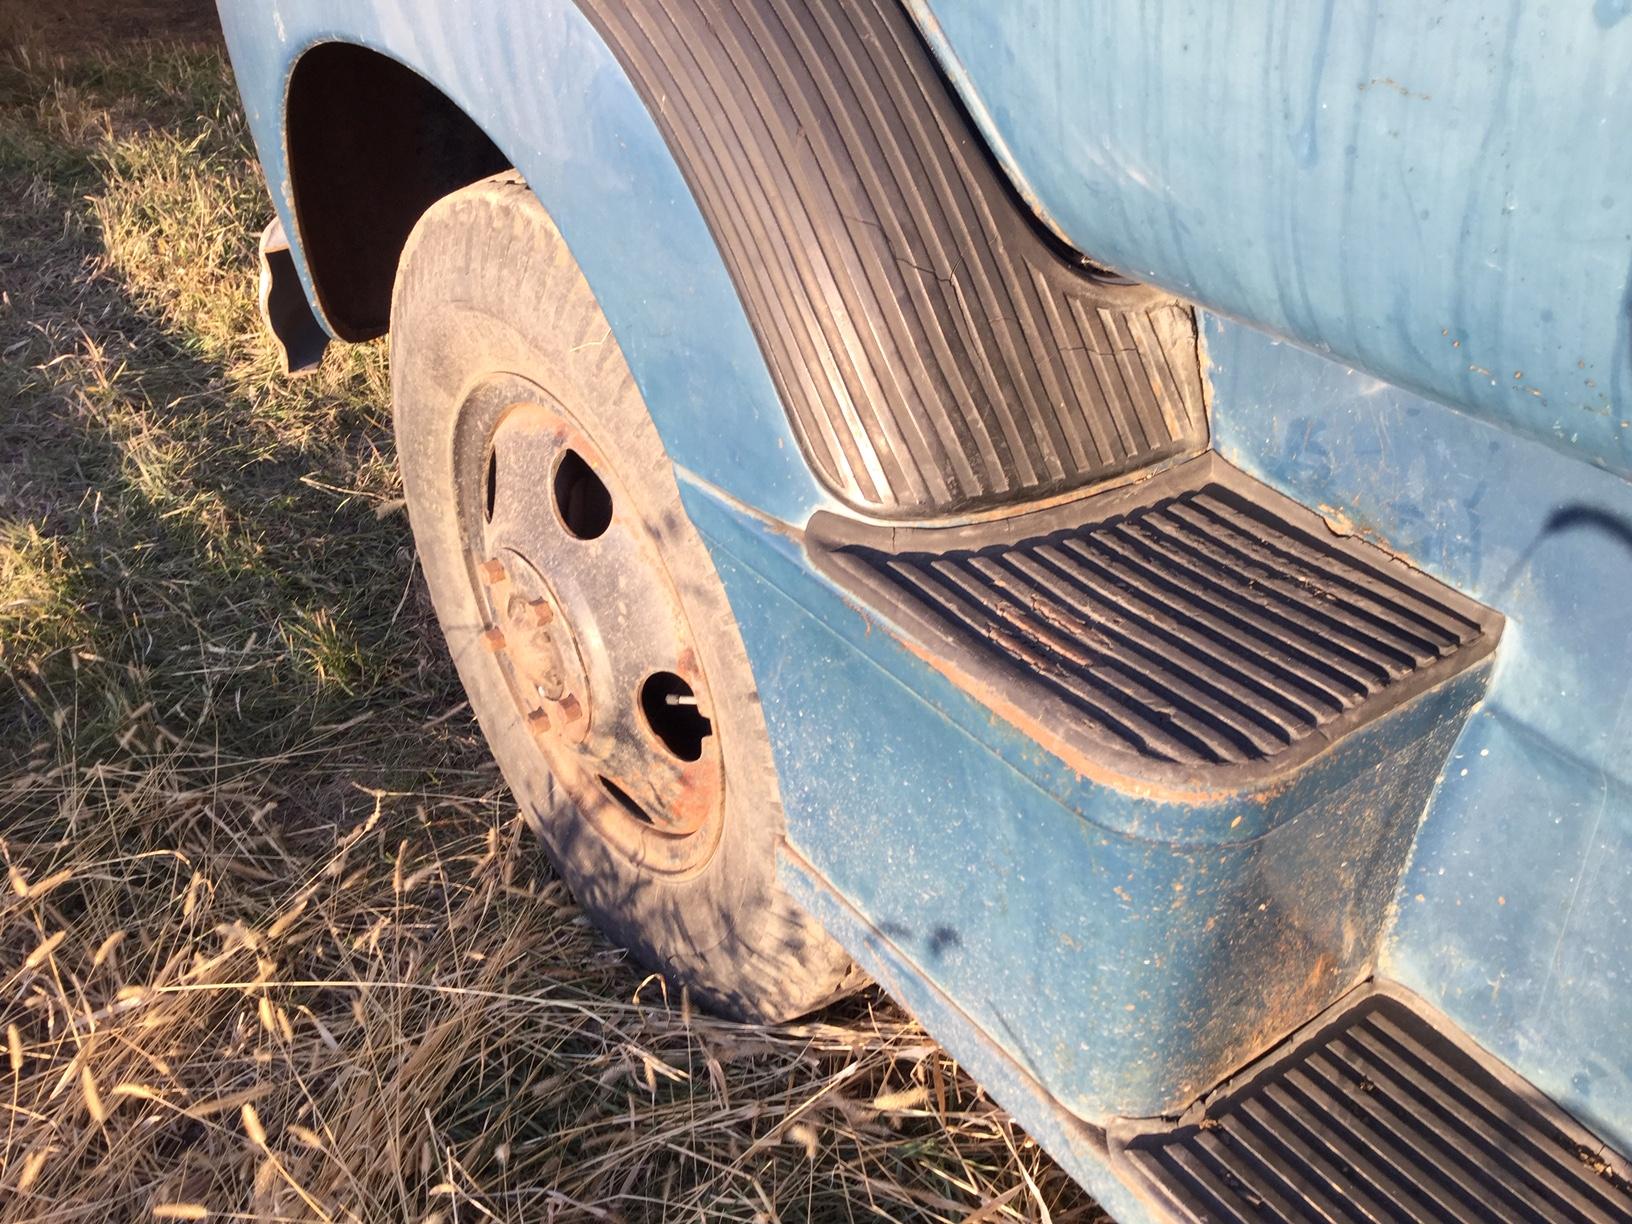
[(1377, 1115), (1197, 627), (934, 351)]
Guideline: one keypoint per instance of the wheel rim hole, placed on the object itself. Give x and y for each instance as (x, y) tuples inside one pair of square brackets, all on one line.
[(581, 497), (623, 799), (492, 497), (670, 707)]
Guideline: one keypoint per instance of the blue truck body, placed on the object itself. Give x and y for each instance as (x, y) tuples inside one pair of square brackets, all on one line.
[(1408, 231)]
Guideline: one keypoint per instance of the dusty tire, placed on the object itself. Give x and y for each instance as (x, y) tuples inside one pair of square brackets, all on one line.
[(487, 289)]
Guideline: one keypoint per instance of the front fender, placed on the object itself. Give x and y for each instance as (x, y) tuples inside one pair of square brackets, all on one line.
[(539, 81)]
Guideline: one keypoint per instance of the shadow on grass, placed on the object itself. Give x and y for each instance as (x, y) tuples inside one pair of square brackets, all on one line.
[(273, 940), (205, 538)]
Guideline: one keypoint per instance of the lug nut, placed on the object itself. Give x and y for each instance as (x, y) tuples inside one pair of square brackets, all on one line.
[(570, 709), (543, 614), (493, 572), (538, 722), (493, 639)]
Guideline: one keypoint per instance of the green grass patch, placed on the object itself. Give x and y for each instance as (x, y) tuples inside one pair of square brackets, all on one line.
[(273, 940)]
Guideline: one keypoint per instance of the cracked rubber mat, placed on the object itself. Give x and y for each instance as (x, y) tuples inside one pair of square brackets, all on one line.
[(934, 349), (1377, 1112), (1197, 624)]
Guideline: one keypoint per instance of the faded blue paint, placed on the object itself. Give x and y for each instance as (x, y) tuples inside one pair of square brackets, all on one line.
[(1078, 1148), (1387, 184), (1607, 12), (1516, 918), (1127, 952), (539, 80), (1437, 193)]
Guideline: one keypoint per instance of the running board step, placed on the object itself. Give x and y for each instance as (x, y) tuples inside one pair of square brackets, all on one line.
[(1379, 1110), (1197, 631)]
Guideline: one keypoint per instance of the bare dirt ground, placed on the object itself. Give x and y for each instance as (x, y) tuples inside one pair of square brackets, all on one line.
[(273, 943)]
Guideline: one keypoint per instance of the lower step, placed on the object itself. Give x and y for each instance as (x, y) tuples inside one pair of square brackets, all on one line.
[(1378, 1111), (1196, 629)]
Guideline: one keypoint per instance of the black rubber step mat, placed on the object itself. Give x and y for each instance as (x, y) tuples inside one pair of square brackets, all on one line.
[(935, 349), (1380, 1110), (1195, 627)]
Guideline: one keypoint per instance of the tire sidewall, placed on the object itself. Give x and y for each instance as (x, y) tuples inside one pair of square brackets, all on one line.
[(487, 286)]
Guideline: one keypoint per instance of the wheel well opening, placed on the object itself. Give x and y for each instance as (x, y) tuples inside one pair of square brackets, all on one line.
[(371, 146)]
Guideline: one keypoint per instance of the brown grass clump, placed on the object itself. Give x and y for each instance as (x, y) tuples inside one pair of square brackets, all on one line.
[(273, 944)]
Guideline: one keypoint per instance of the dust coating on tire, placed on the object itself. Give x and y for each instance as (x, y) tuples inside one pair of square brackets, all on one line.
[(501, 359)]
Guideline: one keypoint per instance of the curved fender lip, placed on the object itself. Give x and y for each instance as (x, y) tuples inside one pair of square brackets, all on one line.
[(285, 310), (542, 85)]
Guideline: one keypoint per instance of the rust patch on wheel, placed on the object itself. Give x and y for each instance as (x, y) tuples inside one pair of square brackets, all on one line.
[(585, 623)]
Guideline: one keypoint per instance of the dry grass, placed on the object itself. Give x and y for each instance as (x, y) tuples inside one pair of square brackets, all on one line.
[(272, 942)]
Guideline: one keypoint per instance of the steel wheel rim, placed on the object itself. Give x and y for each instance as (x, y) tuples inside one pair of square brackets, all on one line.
[(583, 622)]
